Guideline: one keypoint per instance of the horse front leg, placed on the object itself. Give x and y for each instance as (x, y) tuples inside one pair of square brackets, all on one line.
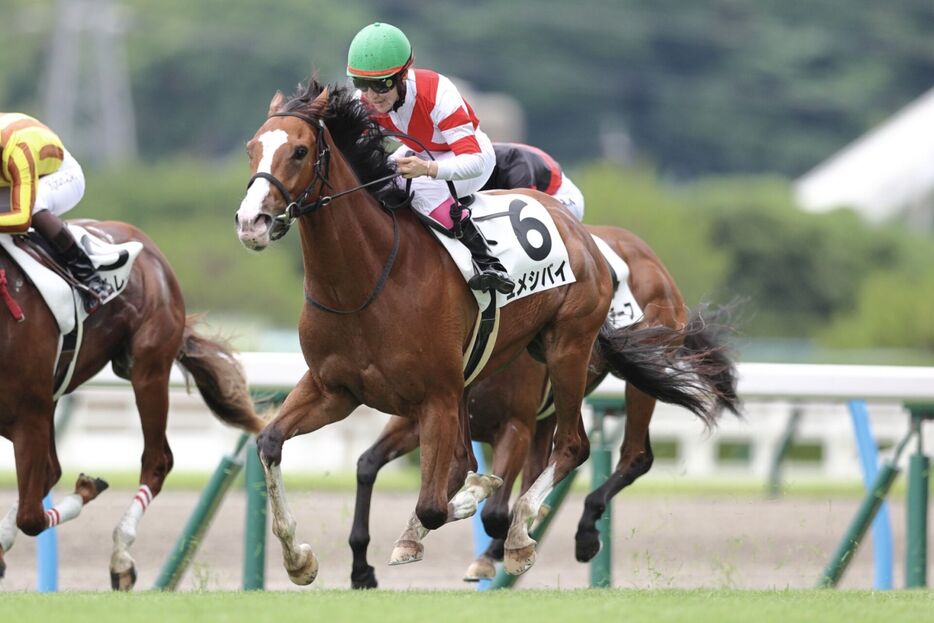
[(399, 437), (308, 407), (8, 532), (470, 488), (37, 471), (151, 389)]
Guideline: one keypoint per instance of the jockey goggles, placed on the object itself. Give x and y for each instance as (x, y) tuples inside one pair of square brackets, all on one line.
[(379, 85)]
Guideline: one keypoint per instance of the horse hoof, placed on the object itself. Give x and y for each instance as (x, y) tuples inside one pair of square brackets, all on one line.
[(518, 561), (488, 482), (305, 572), (477, 487), (89, 487), (123, 580), (586, 545), (406, 551), (363, 580), (2, 565), (482, 568)]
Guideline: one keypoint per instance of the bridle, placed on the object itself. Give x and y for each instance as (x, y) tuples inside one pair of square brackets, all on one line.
[(301, 206)]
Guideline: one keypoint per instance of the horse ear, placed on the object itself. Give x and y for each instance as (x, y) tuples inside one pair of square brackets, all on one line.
[(276, 103)]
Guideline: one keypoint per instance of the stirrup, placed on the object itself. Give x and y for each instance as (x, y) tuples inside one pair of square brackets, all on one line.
[(492, 279), (93, 293)]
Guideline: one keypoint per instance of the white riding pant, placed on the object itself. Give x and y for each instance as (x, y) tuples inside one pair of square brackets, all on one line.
[(430, 193), (571, 196), (60, 191)]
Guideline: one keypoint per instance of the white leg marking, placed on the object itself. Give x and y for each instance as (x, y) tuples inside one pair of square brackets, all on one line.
[(124, 534), (8, 528), (408, 548), (66, 510), (300, 562), (526, 509), (476, 489)]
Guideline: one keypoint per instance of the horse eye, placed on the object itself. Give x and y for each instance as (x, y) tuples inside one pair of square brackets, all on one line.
[(300, 152)]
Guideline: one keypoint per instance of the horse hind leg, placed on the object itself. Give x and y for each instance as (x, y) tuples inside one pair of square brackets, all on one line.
[(399, 437), (150, 379), (567, 365), (484, 567), (635, 459)]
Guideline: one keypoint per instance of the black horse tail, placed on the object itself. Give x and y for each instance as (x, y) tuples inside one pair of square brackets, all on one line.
[(691, 367), (220, 379)]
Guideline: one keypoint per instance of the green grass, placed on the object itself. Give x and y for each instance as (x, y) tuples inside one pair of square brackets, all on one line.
[(695, 606), (408, 480)]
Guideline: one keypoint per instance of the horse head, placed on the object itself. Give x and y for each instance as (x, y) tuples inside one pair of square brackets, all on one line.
[(288, 166)]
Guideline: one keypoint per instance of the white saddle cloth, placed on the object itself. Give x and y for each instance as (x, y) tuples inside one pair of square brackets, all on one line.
[(522, 234), (113, 262)]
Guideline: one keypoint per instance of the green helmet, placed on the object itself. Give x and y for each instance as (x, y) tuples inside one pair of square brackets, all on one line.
[(378, 51)]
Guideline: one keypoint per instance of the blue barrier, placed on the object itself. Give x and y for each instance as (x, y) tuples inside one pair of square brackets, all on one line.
[(881, 526), (47, 556), (481, 540)]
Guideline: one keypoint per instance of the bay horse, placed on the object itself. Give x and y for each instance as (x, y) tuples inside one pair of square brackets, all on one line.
[(141, 333), (397, 346), (504, 411)]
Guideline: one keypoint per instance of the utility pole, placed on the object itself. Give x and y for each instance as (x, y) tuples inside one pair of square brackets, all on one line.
[(86, 98)]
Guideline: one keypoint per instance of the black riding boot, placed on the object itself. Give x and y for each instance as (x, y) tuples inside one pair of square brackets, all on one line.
[(492, 274), (83, 270), (76, 261)]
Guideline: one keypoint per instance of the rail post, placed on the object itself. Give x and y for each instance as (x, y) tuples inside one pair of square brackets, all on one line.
[(864, 516), (784, 449), (254, 540), (601, 567), (919, 466), (881, 526), (188, 542)]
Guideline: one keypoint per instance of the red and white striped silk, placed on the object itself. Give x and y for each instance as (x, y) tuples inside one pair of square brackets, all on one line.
[(435, 113)]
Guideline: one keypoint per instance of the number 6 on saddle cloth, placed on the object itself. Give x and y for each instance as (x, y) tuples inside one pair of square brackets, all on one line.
[(59, 290)]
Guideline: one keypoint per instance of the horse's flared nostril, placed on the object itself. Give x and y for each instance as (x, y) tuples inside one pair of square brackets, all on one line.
[(237, 219)]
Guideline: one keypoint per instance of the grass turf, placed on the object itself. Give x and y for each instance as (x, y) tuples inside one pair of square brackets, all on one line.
[(604, 605)]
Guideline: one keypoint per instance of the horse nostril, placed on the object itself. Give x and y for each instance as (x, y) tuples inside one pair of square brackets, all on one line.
[(237, 219)]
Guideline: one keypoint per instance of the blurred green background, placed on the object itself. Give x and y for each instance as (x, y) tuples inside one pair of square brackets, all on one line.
[(687, 123)]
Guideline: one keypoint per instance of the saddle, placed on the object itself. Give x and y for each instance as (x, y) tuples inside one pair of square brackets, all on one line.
[(61, 292)]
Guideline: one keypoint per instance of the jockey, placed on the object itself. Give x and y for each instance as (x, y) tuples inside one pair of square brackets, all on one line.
[(45, 181), (427, 106), (524, 166)]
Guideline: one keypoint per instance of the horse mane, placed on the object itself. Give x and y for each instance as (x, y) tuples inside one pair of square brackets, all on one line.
[(360, 139)]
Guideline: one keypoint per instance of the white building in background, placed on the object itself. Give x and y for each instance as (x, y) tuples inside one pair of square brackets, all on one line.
[(887, 173)]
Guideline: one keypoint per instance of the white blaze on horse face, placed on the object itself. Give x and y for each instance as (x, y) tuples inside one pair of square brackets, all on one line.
[(252, 204)]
